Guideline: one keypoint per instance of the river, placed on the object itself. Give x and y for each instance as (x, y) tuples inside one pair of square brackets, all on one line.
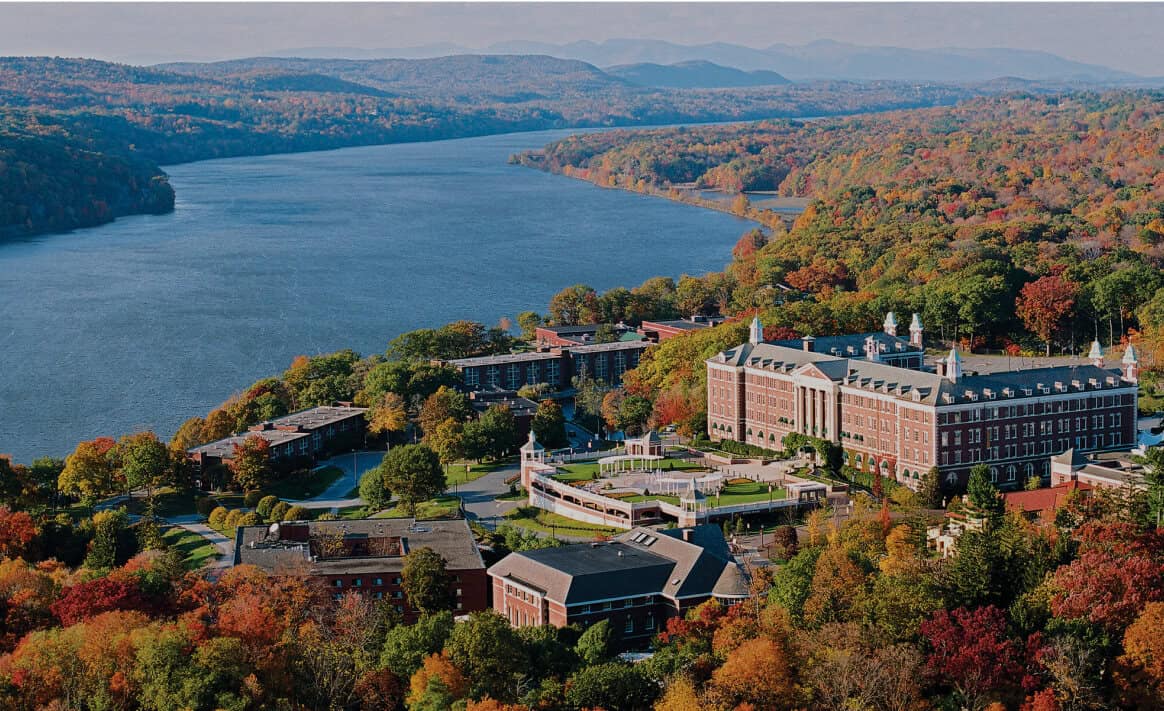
[(149, 320)]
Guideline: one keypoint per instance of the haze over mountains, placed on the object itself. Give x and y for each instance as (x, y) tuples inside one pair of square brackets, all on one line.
[(822, 59)]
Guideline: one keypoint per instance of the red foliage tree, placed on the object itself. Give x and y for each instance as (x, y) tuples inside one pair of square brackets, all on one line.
[(1045, 303), (17, 530), (89, 599), (970, 651), (1106, 588)]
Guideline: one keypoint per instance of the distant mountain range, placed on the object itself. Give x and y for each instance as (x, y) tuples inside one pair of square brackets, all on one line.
[(823, 59), (695, 74)]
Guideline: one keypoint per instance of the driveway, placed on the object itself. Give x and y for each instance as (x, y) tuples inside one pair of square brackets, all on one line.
[(478, 496), (335, 496)]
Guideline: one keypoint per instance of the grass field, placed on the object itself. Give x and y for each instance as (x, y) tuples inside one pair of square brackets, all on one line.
[(306, 486), (167, 502), (587, 471), (549, 522), (196, 550), (440, 507), (467, 472)]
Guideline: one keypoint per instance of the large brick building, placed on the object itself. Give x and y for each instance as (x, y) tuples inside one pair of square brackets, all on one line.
[(554, 366), (367, 555), (894, 416), (637, 580)]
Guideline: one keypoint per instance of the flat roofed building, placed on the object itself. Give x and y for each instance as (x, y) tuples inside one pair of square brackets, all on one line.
[(367, 555), (555, 367), (300, 434), (658, 331), (1110, 470), (637, 580), (901, 421), (577, 335)]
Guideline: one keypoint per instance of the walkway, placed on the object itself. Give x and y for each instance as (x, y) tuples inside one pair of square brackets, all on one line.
[(225, 546)]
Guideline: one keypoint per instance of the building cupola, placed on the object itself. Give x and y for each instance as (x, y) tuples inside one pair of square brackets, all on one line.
[(954, 366), (756, 332), (890, 324), (1131, 365), (1095, 355), (915, 331), (872, 350)]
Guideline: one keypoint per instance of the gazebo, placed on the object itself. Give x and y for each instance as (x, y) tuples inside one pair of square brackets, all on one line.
[(618, 463), (648, 444)]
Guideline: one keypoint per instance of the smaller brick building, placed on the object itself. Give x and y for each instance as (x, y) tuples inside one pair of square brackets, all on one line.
[(304, 434), (367, 555), (637, 580)]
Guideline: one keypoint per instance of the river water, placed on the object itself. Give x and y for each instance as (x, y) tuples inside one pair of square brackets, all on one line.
[(150, 320)]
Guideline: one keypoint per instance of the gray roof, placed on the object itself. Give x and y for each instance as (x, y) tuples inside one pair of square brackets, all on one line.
[(639, 562), (612, 346), (732, 583), (504, 358), (317, 417), (224, 448), (840, 345), (683, 324), (452, 539)]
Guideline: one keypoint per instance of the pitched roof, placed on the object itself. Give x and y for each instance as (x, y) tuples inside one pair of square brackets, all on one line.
[(639, 562), (1041, 500)]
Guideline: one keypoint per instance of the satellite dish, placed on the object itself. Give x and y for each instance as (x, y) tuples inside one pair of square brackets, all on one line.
[(273, 530)]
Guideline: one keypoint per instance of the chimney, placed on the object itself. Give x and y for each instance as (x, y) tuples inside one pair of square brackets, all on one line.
[(687, 535), (808, 343), (940, 367)]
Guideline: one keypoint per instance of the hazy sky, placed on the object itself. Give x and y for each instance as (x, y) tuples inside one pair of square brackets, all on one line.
[(1123, 36)]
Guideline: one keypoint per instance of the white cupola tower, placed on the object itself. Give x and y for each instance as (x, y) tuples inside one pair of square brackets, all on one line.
[(915, 331), (756, 332), (1131, 365), (954, 366), (872, 350), (1095, 355), (890, 324)]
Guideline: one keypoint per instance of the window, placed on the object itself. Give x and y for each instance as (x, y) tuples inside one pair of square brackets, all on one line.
[(512, 375), (531, 373), (378, 581), (492, 376), (619, 364), (650, 623), (472, 377), (600, 367), (359, 583), (1011, 472), (458, 592), (629, 627), (379, 595), (552, 372), (338, 583)]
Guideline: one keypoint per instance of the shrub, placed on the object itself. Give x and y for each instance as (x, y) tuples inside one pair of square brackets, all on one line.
[(217, 517), (252, 498), (203, 505), (278, 511), (250, 519), (232, 520), (327, 516), (263, 508), (296, 513)]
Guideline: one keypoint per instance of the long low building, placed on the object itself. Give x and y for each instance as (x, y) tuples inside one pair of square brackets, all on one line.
[(637, 580), (555, 367), (367, 556), (307, 434), (893, 418)]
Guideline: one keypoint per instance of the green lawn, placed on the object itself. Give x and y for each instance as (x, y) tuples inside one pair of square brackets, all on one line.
[(195, 549), (469, 471), (587, 471), (732, 494), (304, 486), (440, 507), (549, 522)]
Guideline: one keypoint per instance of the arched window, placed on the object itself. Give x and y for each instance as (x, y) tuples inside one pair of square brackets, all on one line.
[(994, 475), (1029, 470), (772, 437), (1011, 472), (749, 430)]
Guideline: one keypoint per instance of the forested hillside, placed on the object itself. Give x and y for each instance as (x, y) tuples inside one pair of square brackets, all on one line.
[(128, 120)]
